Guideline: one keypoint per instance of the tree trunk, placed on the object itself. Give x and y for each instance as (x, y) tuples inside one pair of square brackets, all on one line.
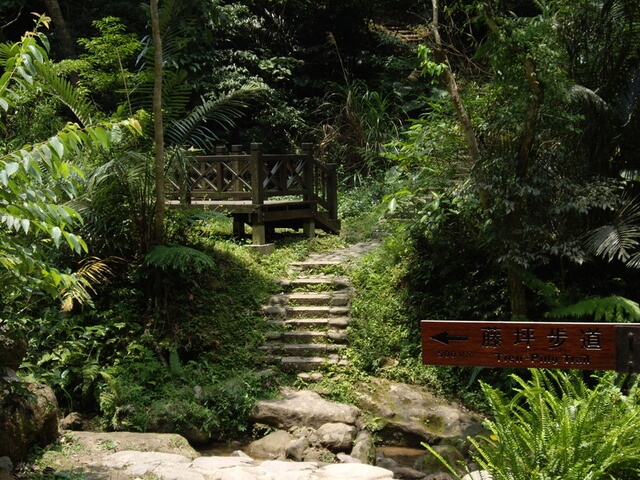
[(451, 85), (67, 43), (158, 235), (517, 290)]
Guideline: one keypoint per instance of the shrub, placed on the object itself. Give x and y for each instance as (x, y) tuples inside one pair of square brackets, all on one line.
[(556, 426)]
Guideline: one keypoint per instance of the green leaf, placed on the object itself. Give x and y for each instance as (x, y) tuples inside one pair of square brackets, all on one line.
[(56, 235), (57, 145)]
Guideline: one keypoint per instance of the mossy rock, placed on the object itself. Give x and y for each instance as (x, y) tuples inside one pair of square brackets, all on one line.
[(429, 463)]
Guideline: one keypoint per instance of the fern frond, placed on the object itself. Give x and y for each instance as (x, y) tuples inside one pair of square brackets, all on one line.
[(609, 309), (175, 366), (178, 258)]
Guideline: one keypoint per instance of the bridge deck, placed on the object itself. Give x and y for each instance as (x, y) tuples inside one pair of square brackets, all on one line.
[(263, 191)]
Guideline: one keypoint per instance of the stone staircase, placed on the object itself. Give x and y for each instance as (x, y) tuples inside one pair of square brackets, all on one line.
[(309, 319)]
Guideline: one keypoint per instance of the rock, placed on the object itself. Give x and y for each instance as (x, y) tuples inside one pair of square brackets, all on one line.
[(337, 437), (95, 443), (303, 408), (429, 463), (239, 453), (29, 417), (353, 471), (5, 475), (13, 346), (305, 432), (364, 448), (295, 449), (411, 415), (388, 463), (439, 476), (8, 375), (408, 473), (273, 445), (126, 458), (73, 421), (6, 465), (344, 458), (478, 475), (318, 455)]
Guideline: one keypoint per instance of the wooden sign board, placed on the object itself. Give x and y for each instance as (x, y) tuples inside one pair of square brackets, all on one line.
[(586, 346)]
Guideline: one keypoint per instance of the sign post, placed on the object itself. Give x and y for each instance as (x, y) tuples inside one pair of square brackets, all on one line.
[(586, 346)]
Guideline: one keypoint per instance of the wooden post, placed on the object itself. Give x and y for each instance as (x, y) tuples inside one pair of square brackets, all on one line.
[(332, 190), (258, 229), (220, 150), (235, 165), (307, 175), (259, 234), (309, 224), (238, 226), (257, 174)]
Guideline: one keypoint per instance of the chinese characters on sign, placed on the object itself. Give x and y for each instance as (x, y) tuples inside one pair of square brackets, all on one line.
[(555, 338), (518, 344)]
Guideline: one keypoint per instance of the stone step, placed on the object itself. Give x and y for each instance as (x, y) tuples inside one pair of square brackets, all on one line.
[(339, 298), (305, 311), (303, 349), (311, 264), (329, 282), (313, 311), (309, 363), (307, 336), (312, 323)]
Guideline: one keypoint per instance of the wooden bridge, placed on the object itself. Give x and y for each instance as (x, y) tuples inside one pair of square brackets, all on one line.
[(265, 191)]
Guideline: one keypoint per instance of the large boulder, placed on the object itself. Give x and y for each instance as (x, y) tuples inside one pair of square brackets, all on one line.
[(28, 417), (337, 437), (409, 415), (13, 347), (304, 408), (273, 445)]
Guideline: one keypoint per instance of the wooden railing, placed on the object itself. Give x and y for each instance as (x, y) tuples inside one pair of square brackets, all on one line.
[(257, 177)]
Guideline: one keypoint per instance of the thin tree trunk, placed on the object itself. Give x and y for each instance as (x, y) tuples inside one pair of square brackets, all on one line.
[(158, 236), (451, 85), (67, 43), (517, 290)]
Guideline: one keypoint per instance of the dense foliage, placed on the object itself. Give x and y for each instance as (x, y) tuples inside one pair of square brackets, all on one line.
[(491, 144)]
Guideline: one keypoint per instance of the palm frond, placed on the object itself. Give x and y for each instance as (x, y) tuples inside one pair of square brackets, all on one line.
[(175, 94), (220, 112), (620, 238), (72, 97)]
